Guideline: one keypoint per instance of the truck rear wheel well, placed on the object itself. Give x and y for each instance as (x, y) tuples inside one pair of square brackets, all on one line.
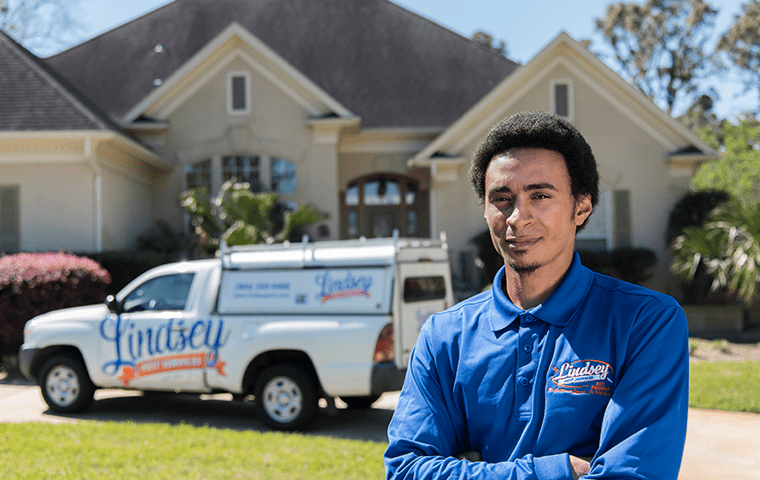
[(50, 352), (279, 357)]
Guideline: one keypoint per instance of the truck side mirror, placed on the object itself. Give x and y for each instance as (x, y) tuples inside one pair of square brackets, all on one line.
[(113, 304)]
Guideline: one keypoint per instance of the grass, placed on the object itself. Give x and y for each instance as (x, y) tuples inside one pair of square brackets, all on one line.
[(95, 450), (732, 386)]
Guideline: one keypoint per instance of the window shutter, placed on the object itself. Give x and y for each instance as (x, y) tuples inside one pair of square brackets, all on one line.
[(238, 94), (622, 229), (561, 100), (9, 219)]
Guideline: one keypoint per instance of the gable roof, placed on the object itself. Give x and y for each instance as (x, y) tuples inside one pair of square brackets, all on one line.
[(36, 98), (587, 67), (236, 42), (385, 64)]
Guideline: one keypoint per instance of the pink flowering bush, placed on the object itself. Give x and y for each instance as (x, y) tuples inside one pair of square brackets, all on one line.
[(35, 283)]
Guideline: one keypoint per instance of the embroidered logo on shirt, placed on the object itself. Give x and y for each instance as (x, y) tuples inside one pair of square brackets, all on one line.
[(583, 377)]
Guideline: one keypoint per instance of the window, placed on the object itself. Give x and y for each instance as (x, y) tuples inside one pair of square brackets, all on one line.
[(420, 289), (10, 240), (243, 168), (376, 205), (263, 172), (283, 176), (561, 98), (162, 293), (595, 236), (199, 174), (238, 91)]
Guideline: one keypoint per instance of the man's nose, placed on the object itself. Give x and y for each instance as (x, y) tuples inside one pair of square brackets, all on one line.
[(519, 216)]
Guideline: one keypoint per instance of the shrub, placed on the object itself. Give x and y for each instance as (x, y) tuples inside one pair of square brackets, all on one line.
[(630, 264), (35, 283), (126, 266)]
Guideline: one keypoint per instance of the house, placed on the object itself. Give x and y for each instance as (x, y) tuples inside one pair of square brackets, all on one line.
[(362, 109)]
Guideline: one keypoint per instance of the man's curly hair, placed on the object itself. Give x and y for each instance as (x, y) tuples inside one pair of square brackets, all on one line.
[(538, 130)]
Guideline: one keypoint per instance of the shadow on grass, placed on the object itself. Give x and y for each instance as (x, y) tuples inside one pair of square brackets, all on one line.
[(220, 411)]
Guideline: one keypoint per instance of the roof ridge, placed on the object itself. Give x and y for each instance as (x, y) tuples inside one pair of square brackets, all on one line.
[(450, 31), (88, 40)]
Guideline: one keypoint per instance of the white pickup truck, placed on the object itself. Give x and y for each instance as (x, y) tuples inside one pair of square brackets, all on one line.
[(288, 324)]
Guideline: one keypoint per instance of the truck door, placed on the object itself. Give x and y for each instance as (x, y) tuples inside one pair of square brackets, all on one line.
[(424, 289), (154, 343)]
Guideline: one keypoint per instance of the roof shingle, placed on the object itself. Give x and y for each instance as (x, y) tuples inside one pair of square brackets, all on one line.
[(35, 97), (387, 65)]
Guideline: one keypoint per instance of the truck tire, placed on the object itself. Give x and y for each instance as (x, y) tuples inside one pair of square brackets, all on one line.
[(285, 397), (65, 384), (360, 403)]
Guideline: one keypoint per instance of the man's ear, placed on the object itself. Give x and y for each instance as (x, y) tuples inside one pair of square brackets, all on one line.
[(583, 208)]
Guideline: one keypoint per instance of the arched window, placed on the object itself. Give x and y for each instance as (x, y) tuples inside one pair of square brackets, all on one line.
[(375, 205), (264, 173)]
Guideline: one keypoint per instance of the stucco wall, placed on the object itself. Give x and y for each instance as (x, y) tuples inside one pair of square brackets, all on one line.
[(276, 126), (127, 209), (56, 206)]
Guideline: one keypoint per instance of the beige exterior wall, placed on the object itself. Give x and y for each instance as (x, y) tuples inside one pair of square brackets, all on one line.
[(59, 177), (56, 206), (202, 128)]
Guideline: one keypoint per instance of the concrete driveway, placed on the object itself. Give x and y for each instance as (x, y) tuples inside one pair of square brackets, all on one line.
[(719, 445)]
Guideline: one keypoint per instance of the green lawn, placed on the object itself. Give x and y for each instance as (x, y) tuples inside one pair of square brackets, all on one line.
[(98, 450), (733, 386)]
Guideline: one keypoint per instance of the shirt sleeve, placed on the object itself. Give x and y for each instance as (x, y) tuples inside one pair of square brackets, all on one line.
[(644, 426), (426, 431)]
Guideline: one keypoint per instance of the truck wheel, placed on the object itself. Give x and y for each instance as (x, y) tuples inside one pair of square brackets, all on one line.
[(360, 403), (65, 385), (285, 397)]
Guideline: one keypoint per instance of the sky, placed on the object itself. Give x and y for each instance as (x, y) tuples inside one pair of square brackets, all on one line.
[(526, 27)]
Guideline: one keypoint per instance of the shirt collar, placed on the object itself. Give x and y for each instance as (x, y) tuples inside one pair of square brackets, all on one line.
[(557, 310)]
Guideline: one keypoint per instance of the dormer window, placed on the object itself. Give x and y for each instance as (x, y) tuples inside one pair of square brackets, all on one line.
[(561, 97), (238, 93)]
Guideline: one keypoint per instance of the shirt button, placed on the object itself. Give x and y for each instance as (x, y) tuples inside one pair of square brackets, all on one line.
[(524, 381), (527, 347), (529, 318)]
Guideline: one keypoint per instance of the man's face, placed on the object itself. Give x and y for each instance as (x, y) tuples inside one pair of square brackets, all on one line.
[(531, 211)]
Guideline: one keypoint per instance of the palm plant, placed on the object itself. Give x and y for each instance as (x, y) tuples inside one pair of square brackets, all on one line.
[(727, 247), (239, 216)]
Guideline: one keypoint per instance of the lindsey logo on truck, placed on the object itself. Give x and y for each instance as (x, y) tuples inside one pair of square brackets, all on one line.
[(350, 286), (163, 348)]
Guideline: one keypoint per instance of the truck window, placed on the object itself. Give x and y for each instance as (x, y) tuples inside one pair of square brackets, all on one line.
[(162, 293), (420, 289)]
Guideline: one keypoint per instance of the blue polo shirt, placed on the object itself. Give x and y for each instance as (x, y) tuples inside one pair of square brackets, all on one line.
[(599, 369)]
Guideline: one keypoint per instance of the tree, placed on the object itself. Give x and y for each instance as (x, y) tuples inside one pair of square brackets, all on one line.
[(741, 43), (486, 39), (240, 217), (40, 25), (660, 45), (737, 171), (700, 114)]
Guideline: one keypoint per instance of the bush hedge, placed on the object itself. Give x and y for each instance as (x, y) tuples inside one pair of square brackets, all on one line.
[(35, 283), (126, 266)]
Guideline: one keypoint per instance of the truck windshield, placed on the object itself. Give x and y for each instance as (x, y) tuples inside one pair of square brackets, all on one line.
[(162, 293)]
